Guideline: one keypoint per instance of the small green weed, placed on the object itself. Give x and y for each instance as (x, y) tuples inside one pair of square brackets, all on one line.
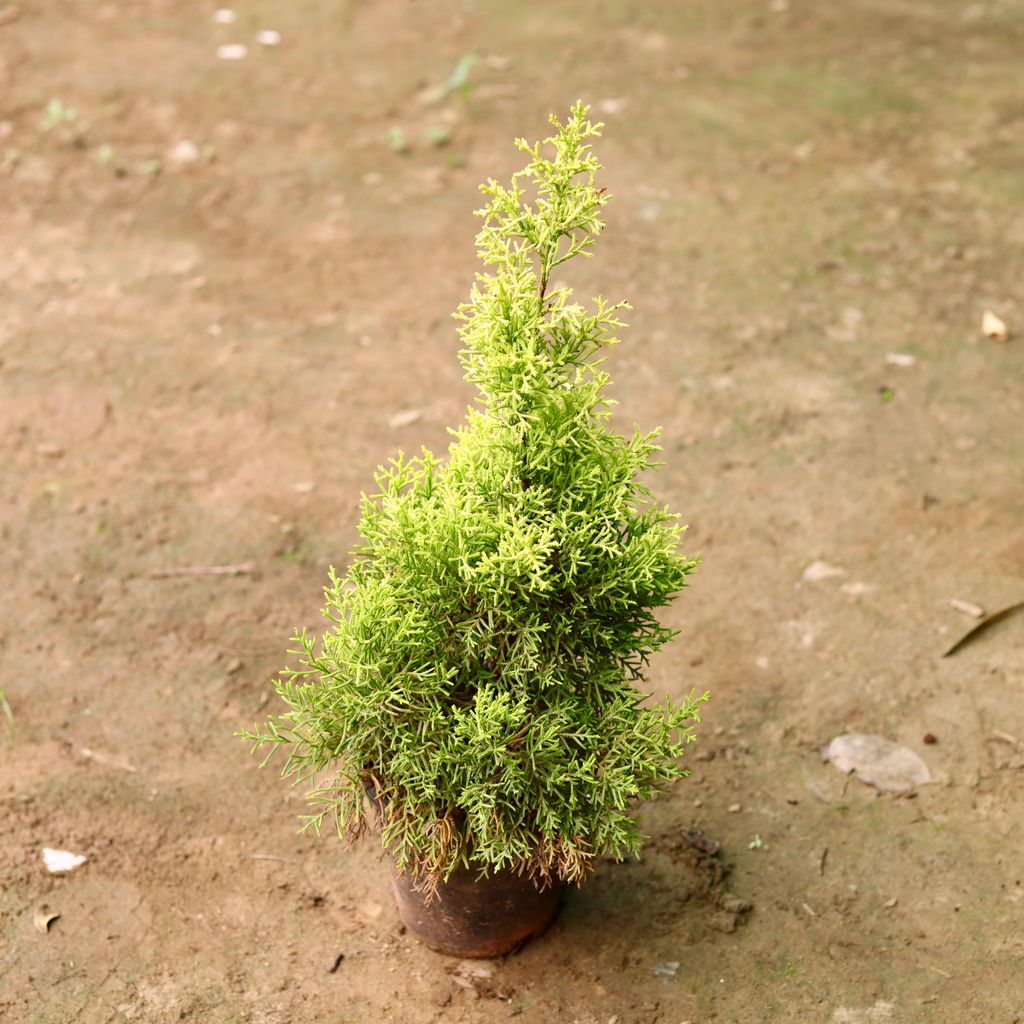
[(458, 80), (57, 115)]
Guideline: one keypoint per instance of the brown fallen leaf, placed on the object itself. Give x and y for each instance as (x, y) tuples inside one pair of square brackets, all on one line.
[(974, 631), (43, 917)]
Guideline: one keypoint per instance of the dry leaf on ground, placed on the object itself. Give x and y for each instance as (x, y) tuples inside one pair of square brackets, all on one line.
[(878, 762)]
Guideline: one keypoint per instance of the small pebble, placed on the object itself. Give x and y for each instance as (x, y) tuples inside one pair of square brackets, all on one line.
[(232, 51), (735, 808), (819, 570), (900, 359), (856, 588), (184, 152), (930, 738), (668, 969), (58, 861), (994, 327), (404, 418), (268, 37), (225, 16)]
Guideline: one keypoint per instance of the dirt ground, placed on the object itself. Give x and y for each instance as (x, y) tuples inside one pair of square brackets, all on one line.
[(226, 288)]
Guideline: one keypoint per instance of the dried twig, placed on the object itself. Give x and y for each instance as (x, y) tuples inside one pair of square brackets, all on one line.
[(65, 975), (974, 611), (242, 569), (1004, 737)]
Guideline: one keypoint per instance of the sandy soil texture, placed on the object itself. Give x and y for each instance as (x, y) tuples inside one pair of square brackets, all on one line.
[(225, 288)]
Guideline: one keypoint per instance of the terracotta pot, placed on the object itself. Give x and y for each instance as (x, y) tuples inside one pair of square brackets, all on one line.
[(474, 917)]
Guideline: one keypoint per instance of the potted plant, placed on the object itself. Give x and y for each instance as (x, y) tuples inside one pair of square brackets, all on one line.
[(474, 694)]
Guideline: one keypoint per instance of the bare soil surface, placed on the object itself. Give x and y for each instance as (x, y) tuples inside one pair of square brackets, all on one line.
[(206, 349)]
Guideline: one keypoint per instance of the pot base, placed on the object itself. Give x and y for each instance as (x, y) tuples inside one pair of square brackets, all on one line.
[(477, 918)]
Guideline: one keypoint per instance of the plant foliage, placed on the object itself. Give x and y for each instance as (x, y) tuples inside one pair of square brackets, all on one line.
[(478, 674)]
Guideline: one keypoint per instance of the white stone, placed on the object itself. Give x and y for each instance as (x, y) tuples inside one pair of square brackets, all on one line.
[(57, 861), (232, 51)]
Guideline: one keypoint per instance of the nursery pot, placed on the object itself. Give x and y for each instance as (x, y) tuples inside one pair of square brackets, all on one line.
[(476, 917)]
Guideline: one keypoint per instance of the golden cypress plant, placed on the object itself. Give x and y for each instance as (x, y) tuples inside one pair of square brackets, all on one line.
[(478, 676)]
